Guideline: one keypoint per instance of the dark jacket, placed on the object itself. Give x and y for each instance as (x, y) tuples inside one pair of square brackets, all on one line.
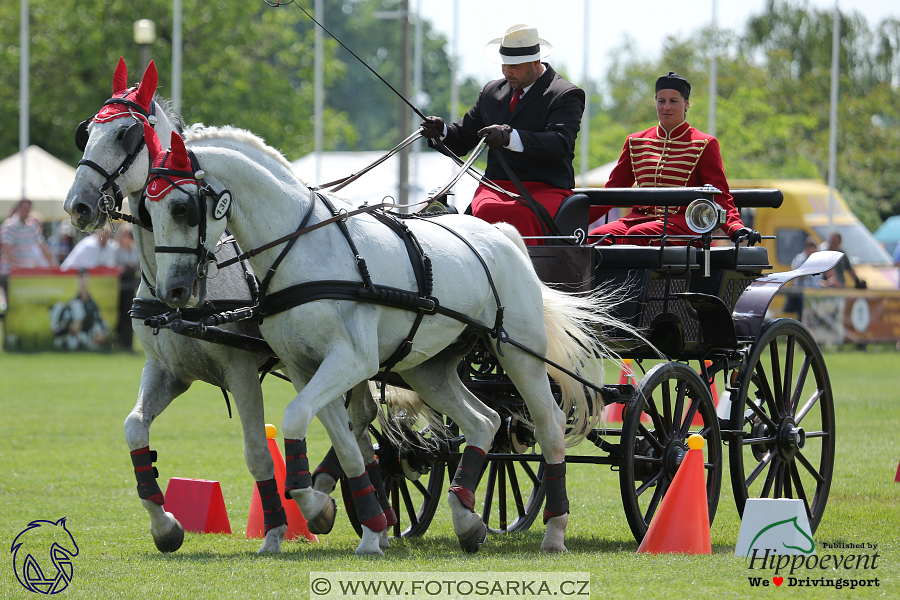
[(547, 118)]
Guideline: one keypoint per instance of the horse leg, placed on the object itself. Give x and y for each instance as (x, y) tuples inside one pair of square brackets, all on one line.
[(529, 376), (331, 378), (437, 382), (241, 379), (158, 388)]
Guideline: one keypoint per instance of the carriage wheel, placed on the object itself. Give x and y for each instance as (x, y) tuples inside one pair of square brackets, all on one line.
[(513, 493), (414, 487), (785, 413), (678, 404)]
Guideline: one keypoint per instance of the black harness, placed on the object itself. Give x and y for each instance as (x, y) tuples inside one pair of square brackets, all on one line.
[(132, 140)]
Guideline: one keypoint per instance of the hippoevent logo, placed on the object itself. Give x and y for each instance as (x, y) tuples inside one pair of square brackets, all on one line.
[(842, 566), (42, 556)]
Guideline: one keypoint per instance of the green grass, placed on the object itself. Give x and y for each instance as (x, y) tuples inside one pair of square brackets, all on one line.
[(63, 454)]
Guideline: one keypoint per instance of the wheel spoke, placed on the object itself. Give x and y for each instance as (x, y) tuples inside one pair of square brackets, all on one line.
[(654, 502), (808, 406), (801, 493), (776, 375), (653, 412), (759, 468), (407, 502), (689, 418), (489, 492), (761, 414), (788, 467), (806, 464), (779, 479), (535, 482), (514, 486), (667, 407), (679, 405), (501, 497), (763, 386), (422, 489), (652, 481), (650, 438), (798, 387), (788, 374), (770, 477)]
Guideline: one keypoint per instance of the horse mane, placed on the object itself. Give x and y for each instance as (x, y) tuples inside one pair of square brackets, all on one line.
[(199, 132), (166, 105)]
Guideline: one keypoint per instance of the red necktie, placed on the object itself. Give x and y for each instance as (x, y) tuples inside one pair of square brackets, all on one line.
[(514, 100)]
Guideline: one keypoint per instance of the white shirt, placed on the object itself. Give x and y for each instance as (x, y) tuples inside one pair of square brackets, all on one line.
[(89, 254)]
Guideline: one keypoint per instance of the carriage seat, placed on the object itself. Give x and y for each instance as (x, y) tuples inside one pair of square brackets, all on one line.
[(648, 257), (756, 257), (573, 214)]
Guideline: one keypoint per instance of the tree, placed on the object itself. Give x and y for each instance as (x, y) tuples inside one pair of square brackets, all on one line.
[(773, 101), (243, 64)]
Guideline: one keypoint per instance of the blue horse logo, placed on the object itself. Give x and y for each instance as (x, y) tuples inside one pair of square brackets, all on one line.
[(30, 549)]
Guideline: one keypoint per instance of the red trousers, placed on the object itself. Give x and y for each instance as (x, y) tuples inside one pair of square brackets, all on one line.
[(648, 226), (495, 207)]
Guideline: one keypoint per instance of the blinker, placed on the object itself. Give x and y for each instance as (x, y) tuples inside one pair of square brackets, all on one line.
[(82, 135), (132, 137)]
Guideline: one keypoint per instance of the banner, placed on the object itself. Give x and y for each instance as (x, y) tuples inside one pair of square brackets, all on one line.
[(838, 316), (66, 310)]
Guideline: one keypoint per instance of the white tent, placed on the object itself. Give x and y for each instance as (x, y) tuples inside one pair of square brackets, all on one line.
[(597, 177), (47, 181), (428, 171)]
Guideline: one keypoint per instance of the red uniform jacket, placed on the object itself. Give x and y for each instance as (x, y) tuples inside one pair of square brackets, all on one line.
[(686, 157)]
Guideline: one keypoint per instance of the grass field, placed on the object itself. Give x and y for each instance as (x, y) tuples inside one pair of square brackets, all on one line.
[(63, 454)]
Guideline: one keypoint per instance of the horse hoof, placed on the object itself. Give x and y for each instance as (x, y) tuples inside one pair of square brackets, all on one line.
[(171, 541), (472, 541), (274, 538), (553, 549), (323, 522)]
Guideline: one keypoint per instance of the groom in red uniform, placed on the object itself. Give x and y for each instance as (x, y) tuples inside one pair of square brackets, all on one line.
[(671, 154), (532, 116)]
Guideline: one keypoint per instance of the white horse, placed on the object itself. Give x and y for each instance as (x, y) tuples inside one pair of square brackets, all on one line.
[(330, 345), (174, 361)]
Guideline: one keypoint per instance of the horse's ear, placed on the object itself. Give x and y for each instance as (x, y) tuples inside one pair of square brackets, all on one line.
[(120, 78), (180, 158), (153, 146), (148, 86)]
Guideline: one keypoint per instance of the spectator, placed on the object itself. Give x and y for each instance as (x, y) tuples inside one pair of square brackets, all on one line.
[(77, 324), (96, 250), (835, 277), (794, 302), (22, 245), (129, 278), (62, 240)]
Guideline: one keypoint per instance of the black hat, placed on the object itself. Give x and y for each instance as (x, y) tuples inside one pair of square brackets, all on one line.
[(674, 81)]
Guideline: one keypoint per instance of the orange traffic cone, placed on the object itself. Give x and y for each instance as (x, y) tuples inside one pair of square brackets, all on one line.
[(681, 523), (698, 420), (614, 411), (296, 523)]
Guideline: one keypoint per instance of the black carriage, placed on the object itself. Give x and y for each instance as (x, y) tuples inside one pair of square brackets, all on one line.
[(701, 305), (698, 305)]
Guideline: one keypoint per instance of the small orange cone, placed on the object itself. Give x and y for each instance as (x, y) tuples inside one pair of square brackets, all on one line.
[(681, 523), (614, 411), (698, 420), (897, 476), (296, 523)]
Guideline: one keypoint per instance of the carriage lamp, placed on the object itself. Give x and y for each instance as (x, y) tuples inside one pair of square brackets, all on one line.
[(704, 216)]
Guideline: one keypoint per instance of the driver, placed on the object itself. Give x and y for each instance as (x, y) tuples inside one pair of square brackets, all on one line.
[(671, 154), (532, 116)]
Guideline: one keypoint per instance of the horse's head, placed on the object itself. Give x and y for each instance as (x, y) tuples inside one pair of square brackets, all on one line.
[(114, 163), (187, 217)]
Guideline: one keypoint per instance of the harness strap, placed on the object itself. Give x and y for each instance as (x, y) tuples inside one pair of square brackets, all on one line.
[(548, 226), (264, 284)]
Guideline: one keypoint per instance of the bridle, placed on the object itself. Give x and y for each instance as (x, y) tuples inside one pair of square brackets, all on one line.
[(132, 141), (195, 213)]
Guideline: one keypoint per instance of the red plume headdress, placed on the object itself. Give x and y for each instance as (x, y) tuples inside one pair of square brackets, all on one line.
[(142, 95)]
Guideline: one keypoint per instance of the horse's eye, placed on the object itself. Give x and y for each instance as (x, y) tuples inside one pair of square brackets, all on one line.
[(179, 210)]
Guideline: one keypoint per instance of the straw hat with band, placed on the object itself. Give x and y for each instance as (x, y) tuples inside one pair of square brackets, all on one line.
[(521, 44)]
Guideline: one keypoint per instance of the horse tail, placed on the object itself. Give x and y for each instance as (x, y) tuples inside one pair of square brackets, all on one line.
[(407, 419), (574, 323)]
